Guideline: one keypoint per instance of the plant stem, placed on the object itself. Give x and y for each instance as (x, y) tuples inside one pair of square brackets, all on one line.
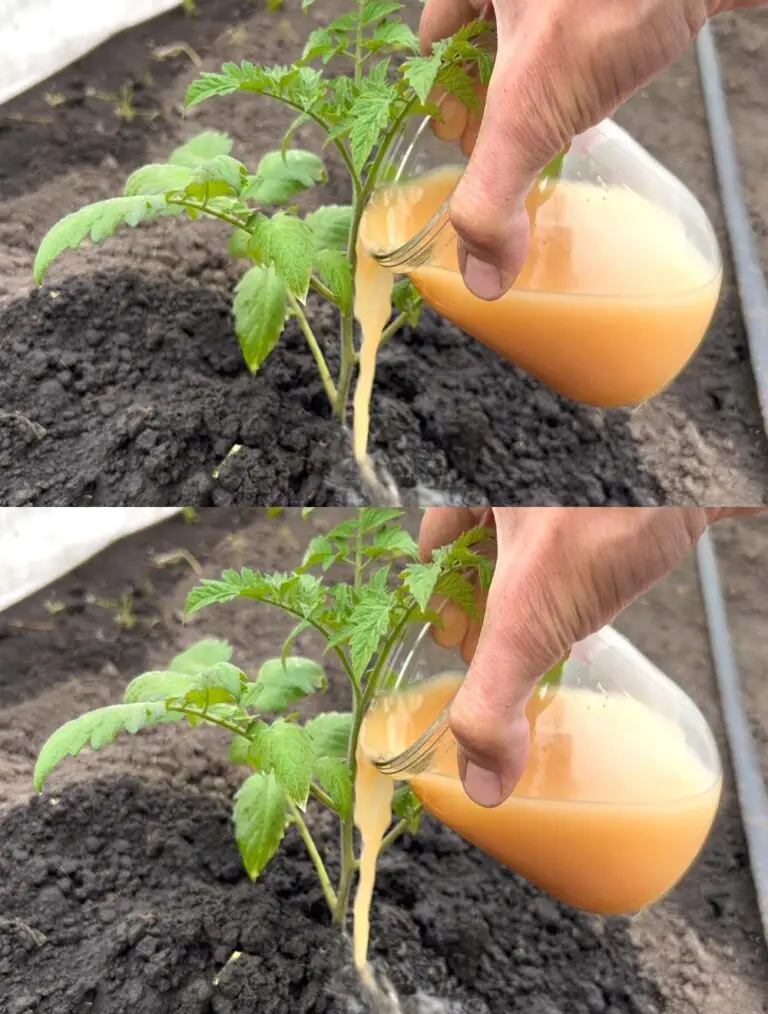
[(321, 290), (391, 329), (314, 855), (348, 362), (204, 209), (322, 797), (207, 717), (391, 837), (322, 366)]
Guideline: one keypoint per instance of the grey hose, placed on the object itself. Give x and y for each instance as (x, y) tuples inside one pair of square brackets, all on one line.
[(750, 786), (750, 279)]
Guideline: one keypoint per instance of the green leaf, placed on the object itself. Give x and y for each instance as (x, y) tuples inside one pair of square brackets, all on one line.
[(202, 655), (157, 179), (238, 750), (551, 678), (392, 541), (238, 243), (321, 43), (374, 517), (286, 242), (259, 818), (331, 226), (333, 268), (458, 82), (288, 753), (281, 682), (406, 806), (201, 148), (302, 594), (336, 778), (198, 687), (374, 10), (395, 35), (281, 176), (407, 298), (368, 623), (456, 587), (330, 733), (96, 729), (219, 177), (421, 74), (300, 627), (420, 579), (97, 222), (320, 551), (370, 114), (259, 309)]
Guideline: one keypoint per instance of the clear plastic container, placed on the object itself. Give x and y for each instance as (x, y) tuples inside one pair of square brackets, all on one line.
[(621, 788), (621, 282)]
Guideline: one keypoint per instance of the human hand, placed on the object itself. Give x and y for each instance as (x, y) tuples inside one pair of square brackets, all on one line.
[(561, 67), (561, 574)]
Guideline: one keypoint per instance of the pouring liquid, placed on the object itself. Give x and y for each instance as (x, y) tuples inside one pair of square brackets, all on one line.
[(612, 302), (612, 809)]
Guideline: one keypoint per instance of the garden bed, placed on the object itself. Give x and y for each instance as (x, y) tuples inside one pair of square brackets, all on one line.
[(127, 894), (126, 386)]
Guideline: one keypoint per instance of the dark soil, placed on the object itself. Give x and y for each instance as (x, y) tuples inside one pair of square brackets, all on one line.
[(126, 893), (123, 384)]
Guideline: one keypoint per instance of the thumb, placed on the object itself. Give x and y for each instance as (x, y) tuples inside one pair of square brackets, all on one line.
[(488, 713), (520, 133)]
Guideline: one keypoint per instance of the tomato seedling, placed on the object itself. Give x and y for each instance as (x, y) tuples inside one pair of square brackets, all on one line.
[(362, 110), (364, 621)]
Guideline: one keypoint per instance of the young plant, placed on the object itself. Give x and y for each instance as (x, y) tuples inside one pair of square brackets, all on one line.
[(362, 109), (363, 620)]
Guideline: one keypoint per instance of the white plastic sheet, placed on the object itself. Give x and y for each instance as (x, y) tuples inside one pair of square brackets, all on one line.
[(40, 37), (40, 544)]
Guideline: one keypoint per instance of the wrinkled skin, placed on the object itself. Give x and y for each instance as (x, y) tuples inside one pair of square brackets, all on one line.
[(561, 67), (561, 574)]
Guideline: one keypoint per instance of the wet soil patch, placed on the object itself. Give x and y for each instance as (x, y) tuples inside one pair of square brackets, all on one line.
[(124, 387)]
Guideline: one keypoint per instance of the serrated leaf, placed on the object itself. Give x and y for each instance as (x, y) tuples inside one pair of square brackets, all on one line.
[(406, 806), (458, 82), (319, 43), (286, 243), (320, 551), (368, 623), (95, 729), (288, 753), (97, 222), (374, 517), (281, 176), (331, 226), (344, 23), (218, 177), (238, 243), (456, 587), (215, 684), (201, 655), (393, 541), (335, 777), (369, 115), (330, 733), (407, 298), (299, 629), (374, 10), (259, 309), (421, 74), (259, 819), (333, 268), (238, 750), (281, 682), (420, 579), (393, 34), (157, 179), (201, 148)]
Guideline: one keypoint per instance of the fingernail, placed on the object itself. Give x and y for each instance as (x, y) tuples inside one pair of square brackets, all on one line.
[(482, 786), (482, 279)]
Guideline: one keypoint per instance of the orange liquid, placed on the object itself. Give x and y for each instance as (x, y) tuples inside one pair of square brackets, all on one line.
[(611, 304), (612, 809)]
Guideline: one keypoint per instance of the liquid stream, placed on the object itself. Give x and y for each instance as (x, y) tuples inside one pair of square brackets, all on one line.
[(612, 809)]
